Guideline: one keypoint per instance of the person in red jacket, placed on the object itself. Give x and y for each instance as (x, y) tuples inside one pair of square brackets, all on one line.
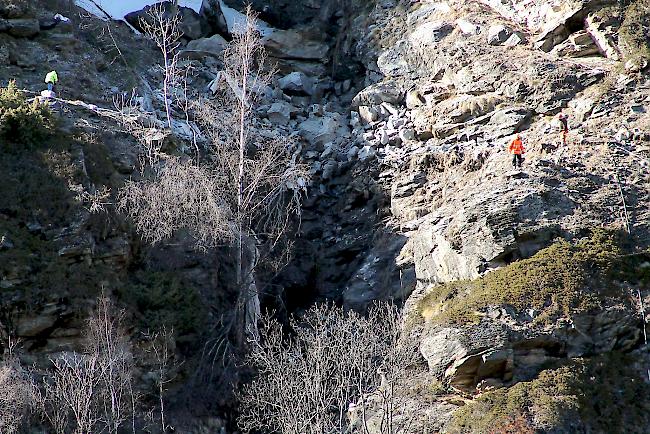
[(564, 120), (516, 148)]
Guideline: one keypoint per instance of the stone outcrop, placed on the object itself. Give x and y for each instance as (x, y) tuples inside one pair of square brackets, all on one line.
[(213, 15), (411, 182), (294, 45), (20, 27), (192, 25), (602, 30)]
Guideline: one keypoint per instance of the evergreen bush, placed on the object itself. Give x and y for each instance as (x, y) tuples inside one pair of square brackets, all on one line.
[(23, 124)]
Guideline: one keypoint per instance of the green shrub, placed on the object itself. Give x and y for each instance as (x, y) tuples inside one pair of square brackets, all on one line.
[(560, 398), (162, 299), (22, 124), (561, 279)]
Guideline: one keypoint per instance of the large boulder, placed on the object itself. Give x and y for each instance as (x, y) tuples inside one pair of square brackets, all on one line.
[(213, 16), (280, 112), (467, 356), (321, 130), (212, 46), (291, 44), (498, 34), (32, 326), (285, 14), (459, 240), (506, 344), (193, 26), (297, 83), (375, 94), (392, 62), (430, 33), (380, 276)]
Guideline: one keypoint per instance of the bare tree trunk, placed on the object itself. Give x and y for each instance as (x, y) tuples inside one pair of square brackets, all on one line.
[(166, 90), (247, 289)]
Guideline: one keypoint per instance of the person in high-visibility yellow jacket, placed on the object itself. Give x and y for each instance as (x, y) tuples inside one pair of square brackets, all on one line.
[(51, 79)]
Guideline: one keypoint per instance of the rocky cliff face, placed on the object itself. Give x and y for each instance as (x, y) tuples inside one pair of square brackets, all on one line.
[(454, 82), (405, 109)]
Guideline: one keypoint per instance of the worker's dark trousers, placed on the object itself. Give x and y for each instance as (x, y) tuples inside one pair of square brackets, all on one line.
[(517, 159)]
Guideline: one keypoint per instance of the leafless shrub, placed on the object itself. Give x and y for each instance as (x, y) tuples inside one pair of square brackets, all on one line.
[(182, 195), (95, 200), (306, 380), (17, 397), (106, 339), (68, 395)]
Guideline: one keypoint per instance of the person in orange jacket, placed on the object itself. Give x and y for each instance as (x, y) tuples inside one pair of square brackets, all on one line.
[(516, 148)]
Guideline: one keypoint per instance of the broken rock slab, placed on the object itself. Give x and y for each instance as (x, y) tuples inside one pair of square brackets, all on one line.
[(376, 94), (498, 34), (212, 46), (467, 356), (280, 112), (579, 44), (297, 83), (291, 44), (603, 31)]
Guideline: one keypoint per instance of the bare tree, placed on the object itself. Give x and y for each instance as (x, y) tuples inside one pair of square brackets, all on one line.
[(164, 30), (180, 195), (242, 190), (92, 391), (16, 399), (161, 349), (307, 380), (69, 394), (107, 340)]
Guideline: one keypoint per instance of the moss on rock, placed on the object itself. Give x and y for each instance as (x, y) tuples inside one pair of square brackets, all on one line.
[(560, 280), (597, 395)]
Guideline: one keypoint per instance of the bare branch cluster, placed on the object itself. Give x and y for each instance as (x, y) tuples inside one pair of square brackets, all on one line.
[(92, 391), (249, 178), (307, 380), (17, 397), (161, 349), (182, 195), (163, 28), (94, 200)]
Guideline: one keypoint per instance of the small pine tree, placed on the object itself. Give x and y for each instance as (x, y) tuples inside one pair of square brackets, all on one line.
[(23, 124)]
